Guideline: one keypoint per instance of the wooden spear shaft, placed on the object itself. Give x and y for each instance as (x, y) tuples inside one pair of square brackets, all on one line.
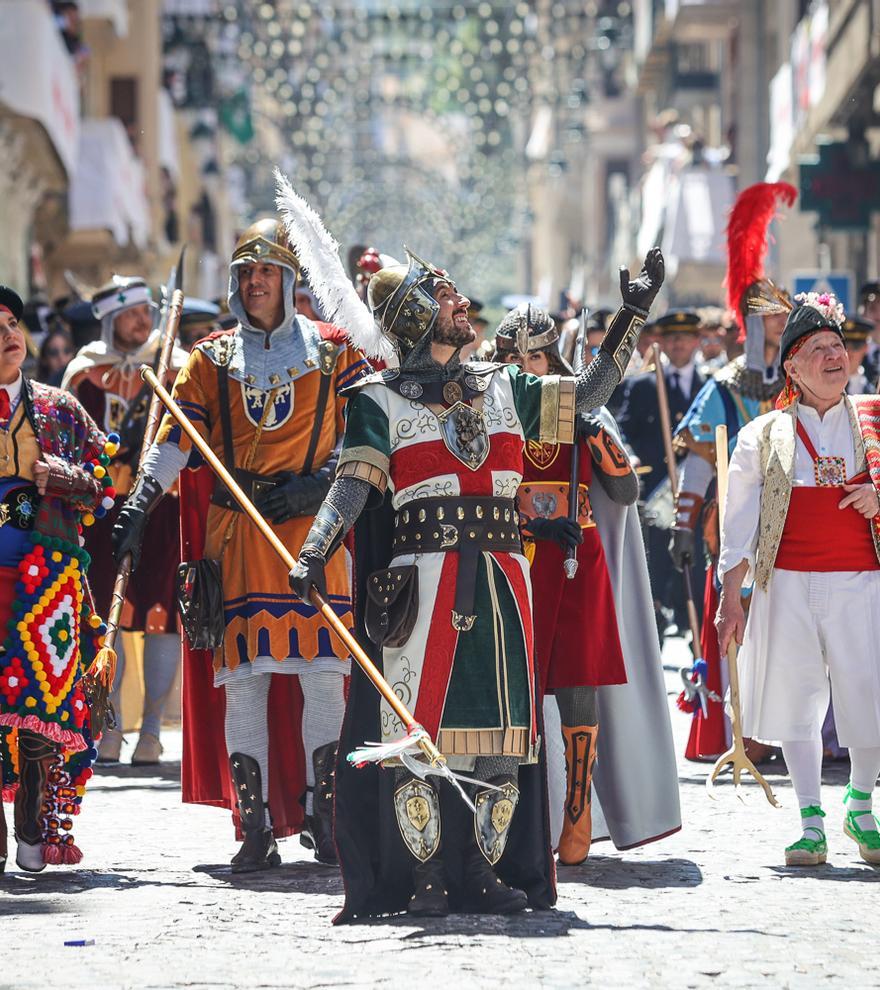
[(671, 469), (330, 617)]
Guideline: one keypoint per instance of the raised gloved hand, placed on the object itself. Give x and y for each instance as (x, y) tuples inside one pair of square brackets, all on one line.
[(640, 292), (563, 531), (681, 547), (308, 573), (297, 495), (128, 531)]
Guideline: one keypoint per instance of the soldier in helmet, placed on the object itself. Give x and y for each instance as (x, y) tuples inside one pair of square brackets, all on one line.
[(450, 619), (105, 377), (264, 395)]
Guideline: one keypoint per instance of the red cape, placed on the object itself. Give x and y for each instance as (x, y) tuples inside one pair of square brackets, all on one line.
[(205, 775), (708, 736)]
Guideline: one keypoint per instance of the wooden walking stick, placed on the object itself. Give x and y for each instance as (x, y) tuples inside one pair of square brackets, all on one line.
[(102, 672), (416, 733), (736, 756), (671, 470)]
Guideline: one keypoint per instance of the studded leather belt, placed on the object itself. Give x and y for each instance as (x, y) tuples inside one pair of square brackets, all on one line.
[(467, 525)]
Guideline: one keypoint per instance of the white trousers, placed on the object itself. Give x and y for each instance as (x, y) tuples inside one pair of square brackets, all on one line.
[(806, 629)]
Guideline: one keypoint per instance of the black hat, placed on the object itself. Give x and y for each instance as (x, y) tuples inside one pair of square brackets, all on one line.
[(869, 292), (679, 321), (857, 329), (816, 311), (12, 301)]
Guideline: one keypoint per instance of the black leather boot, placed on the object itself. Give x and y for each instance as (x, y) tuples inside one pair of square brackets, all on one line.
[(259, 850), (317, 833), (417, 809), (35, 754), (484, 891), (4, 840)]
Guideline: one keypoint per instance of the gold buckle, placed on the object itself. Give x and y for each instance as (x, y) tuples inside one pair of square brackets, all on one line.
[(449, 536)]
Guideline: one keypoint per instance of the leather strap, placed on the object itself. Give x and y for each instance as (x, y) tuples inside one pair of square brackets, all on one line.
[(225, 418), (323, 392)]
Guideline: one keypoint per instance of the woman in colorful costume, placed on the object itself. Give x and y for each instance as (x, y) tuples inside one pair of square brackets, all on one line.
[(803, 522), (745, 388), (51, 456)]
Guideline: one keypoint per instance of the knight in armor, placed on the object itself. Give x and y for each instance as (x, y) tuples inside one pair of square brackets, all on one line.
[(265, 396), (744, 389), (49, 448), (105, 377), (578, 647), (429, 471)]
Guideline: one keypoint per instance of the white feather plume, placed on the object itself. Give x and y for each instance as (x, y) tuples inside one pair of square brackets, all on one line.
[(318, 253)]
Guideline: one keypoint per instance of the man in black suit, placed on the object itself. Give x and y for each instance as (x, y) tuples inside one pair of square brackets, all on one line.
[(639, 420), (869, 309)]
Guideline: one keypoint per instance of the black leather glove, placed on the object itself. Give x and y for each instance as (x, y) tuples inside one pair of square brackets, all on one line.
[(298, 495), (308, 573), (563, 531), (681, 547), (128, 531), (639, 293)]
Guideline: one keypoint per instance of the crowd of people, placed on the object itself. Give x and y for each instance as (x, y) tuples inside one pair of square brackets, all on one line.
[(497, 524)]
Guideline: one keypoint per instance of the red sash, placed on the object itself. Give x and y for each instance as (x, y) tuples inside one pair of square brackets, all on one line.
[(819, 536)]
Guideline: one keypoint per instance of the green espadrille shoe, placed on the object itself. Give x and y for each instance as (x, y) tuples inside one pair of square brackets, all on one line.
[(808, 852), (868, 840)]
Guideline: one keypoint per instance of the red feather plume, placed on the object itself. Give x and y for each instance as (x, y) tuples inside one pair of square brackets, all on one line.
[(747, 227)]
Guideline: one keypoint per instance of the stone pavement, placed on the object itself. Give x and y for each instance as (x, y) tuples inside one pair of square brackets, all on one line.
[(709, 907)]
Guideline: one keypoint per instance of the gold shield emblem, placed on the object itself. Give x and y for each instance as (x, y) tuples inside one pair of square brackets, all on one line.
[(501, 814), (418, 812), (542, 455)]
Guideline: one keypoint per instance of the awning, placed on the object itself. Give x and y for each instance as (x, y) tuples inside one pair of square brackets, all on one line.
[(108, 188), (37, 75), (697, 217)]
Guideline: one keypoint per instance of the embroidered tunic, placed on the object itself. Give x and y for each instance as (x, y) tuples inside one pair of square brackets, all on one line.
[(265, 622), (474, 689)]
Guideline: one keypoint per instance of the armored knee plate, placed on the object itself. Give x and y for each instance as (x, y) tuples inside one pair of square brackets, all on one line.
[(417, 808), (495, 810)]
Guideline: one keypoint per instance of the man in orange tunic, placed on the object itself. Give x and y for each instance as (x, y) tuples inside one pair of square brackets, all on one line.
[(264, 395)]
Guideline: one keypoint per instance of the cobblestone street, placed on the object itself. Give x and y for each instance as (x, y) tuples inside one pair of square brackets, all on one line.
[(711, 906)]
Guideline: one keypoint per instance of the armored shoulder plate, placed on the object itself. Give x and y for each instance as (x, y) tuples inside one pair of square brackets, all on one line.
[(377, 378), (218, 347)]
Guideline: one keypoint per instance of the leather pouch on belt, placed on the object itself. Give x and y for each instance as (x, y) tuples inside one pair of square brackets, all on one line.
[(392, 605)]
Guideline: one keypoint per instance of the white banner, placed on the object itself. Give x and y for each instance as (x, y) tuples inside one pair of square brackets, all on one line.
[(37, 76)]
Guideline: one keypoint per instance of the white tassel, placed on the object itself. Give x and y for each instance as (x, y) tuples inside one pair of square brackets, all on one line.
[(318, 253)]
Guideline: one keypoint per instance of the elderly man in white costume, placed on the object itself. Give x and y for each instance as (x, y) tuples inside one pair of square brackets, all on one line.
[(802, 523)]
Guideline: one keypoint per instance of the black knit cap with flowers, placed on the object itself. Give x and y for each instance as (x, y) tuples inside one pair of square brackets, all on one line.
[(814, 311)]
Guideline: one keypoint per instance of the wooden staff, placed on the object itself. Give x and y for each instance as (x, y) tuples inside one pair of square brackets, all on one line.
[(105, 662), (736, 755), (671, 470), (435, 757)]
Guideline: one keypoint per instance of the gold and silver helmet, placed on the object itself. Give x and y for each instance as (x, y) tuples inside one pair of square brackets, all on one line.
[(530, 328), (401, 298), (265, 242)]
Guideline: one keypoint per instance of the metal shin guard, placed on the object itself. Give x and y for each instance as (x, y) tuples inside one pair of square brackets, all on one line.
[(317, 833), (35, 754), (486, 893), (258, 850), (577, 823), (417, 809)]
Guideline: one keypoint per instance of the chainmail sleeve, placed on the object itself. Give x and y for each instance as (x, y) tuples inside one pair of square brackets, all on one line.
[(594, 385), (348, 496), (622, 489)]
